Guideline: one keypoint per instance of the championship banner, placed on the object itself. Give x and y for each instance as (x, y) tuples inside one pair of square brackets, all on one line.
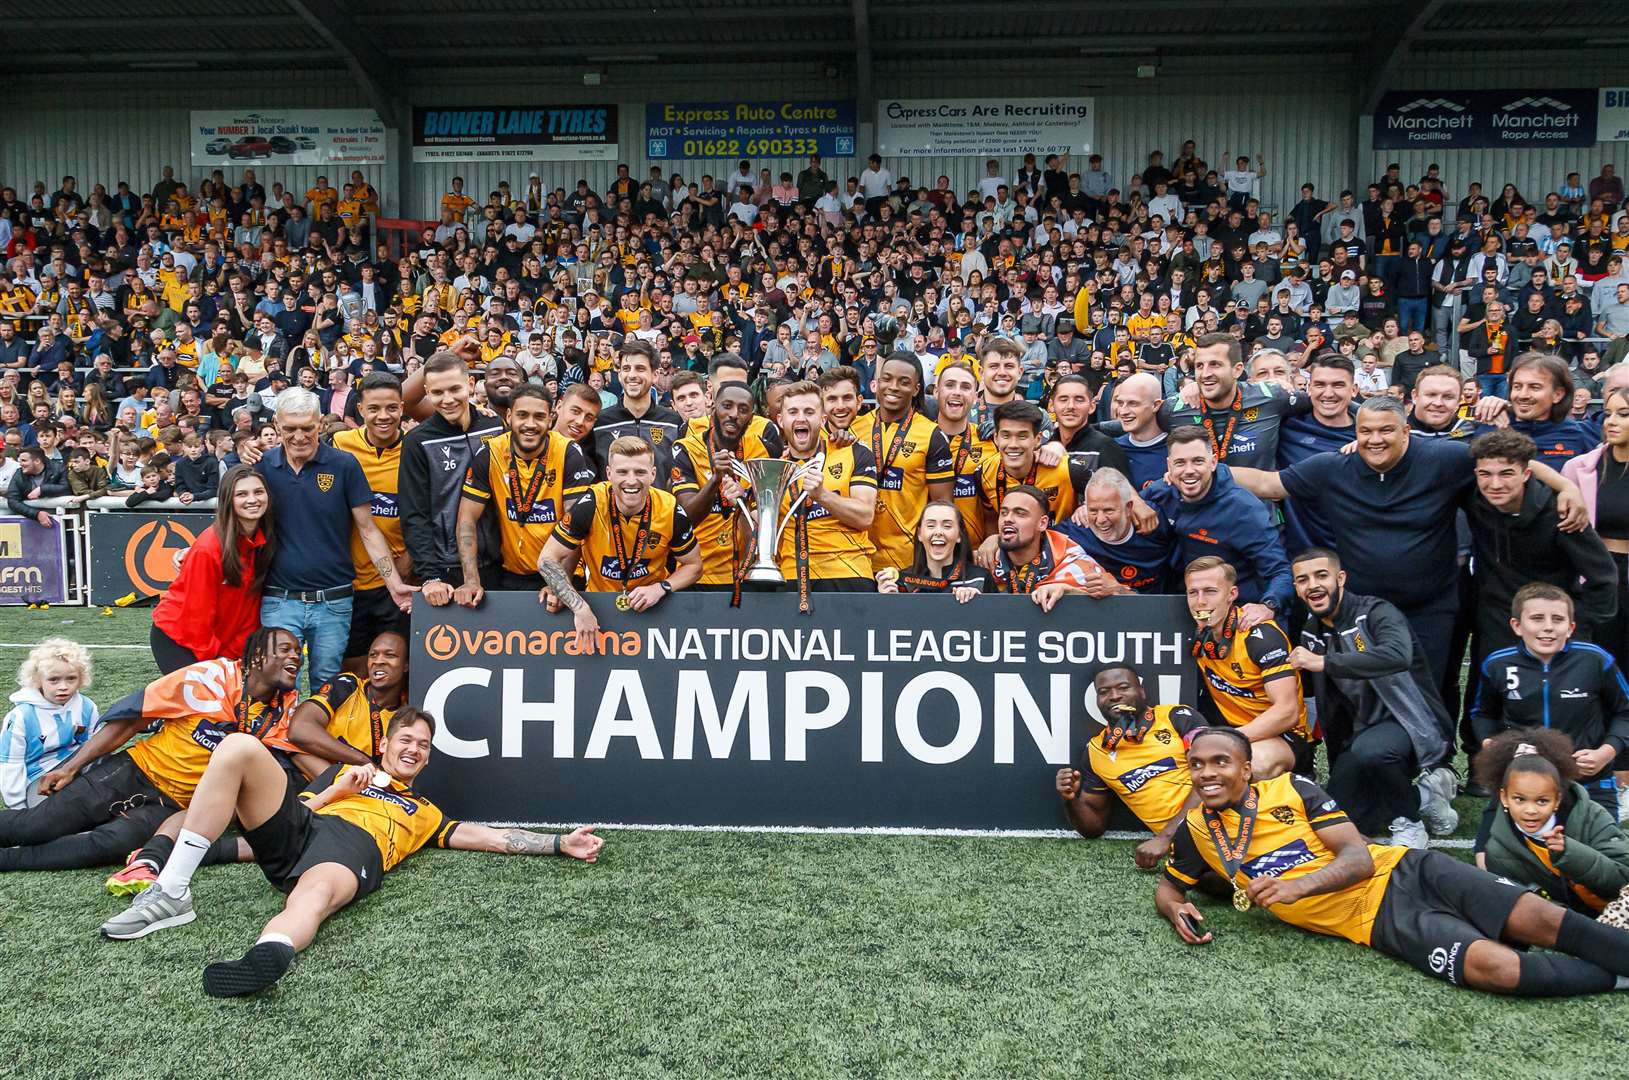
[(516, 133), (994, 126), (874, 712), (33, 562), (289, 137), (1613, 122), (135, 553), (1478, 119), (748, 129)]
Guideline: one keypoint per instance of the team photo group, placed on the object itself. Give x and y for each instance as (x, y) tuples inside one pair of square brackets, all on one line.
[(1377, 442)]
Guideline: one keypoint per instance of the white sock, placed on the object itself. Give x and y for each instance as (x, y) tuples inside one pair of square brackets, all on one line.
[(190, 849), (1426, 798), (1623, 983), (281, 939)]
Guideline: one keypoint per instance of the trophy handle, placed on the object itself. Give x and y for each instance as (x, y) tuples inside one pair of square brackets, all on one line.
[(814, 464), (745, 476)]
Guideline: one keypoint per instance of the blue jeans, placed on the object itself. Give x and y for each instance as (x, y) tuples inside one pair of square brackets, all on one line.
[(1492, 385), (322, 628), (1412, 314)]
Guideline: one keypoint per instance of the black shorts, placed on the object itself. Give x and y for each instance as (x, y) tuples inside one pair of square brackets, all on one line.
[(1303, 750), (373, 612), (847, 584), (293, 840), (509, 581), (1434, 907)]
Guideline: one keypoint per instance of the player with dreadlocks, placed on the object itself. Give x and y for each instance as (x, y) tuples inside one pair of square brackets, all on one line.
[(105, 801)]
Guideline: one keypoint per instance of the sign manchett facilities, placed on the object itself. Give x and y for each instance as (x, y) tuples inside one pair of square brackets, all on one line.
[(33, 562), (923, 127), (288, 137), (516, 133), (135, 553), (1613, 121), (896, 711), (748, 129), (1473, 119)]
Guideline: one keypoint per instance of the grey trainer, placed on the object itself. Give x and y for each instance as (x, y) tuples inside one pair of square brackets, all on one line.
[(149, 911)]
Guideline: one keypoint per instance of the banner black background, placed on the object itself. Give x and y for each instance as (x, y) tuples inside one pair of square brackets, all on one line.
[(834, 786)]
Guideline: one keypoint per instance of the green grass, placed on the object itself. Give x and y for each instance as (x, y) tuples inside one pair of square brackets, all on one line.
[(688, 955)]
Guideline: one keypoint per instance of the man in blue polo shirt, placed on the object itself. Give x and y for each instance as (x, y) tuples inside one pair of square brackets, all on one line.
[(1390, 507), (319, 495)]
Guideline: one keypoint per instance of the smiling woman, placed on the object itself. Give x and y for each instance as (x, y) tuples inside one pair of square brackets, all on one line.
[(214, 603)]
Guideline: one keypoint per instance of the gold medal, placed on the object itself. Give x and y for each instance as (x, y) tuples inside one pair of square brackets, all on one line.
[(623, 603), (1241, 900)]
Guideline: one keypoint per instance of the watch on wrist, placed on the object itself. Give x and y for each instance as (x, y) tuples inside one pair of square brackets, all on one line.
[(667, 586)]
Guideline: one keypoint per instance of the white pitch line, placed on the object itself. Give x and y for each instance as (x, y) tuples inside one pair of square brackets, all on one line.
[(30, 645), (873, 830)]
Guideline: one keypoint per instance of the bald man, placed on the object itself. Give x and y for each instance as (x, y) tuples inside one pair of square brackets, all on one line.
[(1137, 409)]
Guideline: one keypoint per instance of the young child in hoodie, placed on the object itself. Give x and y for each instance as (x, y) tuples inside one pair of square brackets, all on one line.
[(50, 718)]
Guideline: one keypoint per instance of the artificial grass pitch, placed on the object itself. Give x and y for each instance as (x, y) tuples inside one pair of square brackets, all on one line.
[(699, 954)]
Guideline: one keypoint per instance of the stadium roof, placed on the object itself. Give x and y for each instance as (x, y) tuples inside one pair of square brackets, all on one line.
[(381, 41)]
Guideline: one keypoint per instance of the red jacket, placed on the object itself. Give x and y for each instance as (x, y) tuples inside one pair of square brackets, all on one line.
[(202, 613)]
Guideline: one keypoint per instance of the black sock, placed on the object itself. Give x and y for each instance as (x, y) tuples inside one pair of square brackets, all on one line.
[(156, 852), (223, 850), (1549, 975), (1602, 944)]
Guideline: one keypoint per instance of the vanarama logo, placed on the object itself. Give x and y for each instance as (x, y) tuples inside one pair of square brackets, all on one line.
[(444, 642), (149, 555)]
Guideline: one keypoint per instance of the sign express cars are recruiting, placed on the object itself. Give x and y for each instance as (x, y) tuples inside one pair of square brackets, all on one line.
[(874, 711)]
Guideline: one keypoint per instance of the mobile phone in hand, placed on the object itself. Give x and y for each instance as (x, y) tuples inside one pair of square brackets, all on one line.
[(1196, 927)]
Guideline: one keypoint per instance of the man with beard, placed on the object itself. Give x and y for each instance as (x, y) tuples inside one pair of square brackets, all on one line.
[(1211, 514), (106, 801), (1033, 560), (957, 393), (913, 460), (1332, 386), (827, 548), (1241, 420), (1001, 366), (707, 487), (841, 391), (626, 534), (1016, 461), (323, 847), (1072, 410), (344, 721), (1287, 846), (526, 479), (1383, 722), (435, 457), (1138, 758), (377, 447), (1247, 676), (637, 414), (1391, 504)]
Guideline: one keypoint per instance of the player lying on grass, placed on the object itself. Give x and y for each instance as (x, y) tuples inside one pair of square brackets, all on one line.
[(344, 722), (1285, 845), (324, 847), (1138, 758), (102, 807)]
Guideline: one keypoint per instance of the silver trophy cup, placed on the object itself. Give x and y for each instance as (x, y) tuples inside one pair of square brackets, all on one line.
[(769, 479)]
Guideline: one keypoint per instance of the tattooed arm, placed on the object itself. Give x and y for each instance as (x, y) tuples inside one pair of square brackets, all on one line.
[(578, 844), (469, 521), (555, 563), (378, 549)]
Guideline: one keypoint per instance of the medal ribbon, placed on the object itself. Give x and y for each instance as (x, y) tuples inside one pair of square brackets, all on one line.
[(1232, 852), (625, 564), (523, 500), (1220, 447), (898, 441), (1216, 646), (1004, 481), (270, 713)]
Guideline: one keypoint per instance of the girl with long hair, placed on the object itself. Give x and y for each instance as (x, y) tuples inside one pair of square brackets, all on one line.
[(214, 603), (942, 558)]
